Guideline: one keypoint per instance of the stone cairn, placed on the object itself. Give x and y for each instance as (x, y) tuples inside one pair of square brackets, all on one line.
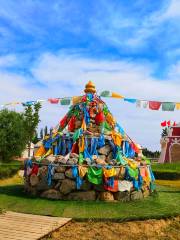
[(88, 157)]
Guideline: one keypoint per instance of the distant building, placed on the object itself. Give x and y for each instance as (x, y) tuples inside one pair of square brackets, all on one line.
[(170, 145)]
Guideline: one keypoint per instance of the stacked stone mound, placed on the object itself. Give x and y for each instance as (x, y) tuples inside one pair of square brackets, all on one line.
[(88, 157)]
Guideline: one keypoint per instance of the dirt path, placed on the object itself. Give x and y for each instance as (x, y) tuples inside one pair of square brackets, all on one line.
[(138, 230)]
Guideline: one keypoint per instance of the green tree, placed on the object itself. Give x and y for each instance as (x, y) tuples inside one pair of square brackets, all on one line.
[(35, 138), (13, 137), (32, 120)]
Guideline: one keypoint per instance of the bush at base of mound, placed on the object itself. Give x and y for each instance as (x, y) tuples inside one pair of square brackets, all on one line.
[(167, 175), (9, 169)]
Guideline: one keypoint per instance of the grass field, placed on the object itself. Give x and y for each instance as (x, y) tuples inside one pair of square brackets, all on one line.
[(166, 203)]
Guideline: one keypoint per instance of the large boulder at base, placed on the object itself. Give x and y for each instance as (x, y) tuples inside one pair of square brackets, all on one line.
[(34, 180), (60, 169), (58, 176), (106, 196), (136, 195), (52, 194), (105, 150), (67, 186), (57, 185), (122, 196), (42, 184), (82, 196), (68, 173)]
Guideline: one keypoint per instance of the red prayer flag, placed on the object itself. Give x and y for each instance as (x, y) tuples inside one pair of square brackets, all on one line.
[(174, 124), (154, 105), (169, 123), (53, 100), (163, 124)]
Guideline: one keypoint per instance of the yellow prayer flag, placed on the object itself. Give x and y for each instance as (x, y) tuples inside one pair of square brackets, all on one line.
[(116, 95), (76, 100), (177, 106)]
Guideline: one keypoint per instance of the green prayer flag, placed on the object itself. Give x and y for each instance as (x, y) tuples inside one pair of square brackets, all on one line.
[(81, 158), (105, 94), (133, 172), (168, 106), (120, 159), (77, 134), (65, 101), (95, 175)]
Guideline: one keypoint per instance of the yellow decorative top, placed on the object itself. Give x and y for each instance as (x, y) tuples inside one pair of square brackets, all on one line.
[(90, 87)]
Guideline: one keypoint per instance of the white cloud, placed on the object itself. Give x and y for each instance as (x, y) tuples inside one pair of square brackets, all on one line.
[(8, 61), (173, 10)]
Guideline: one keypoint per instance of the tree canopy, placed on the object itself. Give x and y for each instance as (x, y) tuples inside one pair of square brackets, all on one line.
[(13, 135), (17, 130)]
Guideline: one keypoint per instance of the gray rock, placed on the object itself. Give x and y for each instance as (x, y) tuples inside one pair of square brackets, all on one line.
[(60, 169), (67, 186), (68, 173), (122, 196), (74, 155), (106, 196), (57, 186), (109, 157), (52, 194), (51, 158), (136, 195), (45, 161), (42, 171), (72, 161), (102, 157), (43, 184), (34, 179), (58, 176), (105, 150), (82, 196), (62, 160)]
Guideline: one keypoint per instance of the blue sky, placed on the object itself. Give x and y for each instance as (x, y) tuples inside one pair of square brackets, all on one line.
[(51, 48)]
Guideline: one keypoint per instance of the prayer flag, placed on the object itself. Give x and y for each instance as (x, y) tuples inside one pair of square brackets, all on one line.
[(168, 106), (131, 100), (154, 105), (115, 95), (163, 124)]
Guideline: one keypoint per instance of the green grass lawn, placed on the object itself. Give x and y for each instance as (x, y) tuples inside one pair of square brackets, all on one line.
[(166, 203)]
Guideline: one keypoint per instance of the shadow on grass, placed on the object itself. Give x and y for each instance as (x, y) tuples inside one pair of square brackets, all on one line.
[(15, 190)]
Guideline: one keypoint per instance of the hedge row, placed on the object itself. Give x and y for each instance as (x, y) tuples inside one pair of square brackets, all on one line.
[(10, 169), (167, 175)]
